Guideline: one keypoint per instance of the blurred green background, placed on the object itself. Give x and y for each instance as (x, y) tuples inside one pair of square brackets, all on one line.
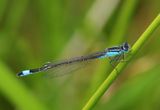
[(33, 32)]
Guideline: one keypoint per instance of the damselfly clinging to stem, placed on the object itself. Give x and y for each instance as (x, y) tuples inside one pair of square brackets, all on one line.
[(112, 53)]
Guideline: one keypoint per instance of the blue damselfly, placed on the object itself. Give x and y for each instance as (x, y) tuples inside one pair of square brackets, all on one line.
[(113, 53)]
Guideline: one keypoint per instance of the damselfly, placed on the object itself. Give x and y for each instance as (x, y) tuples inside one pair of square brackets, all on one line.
[(112, 53)]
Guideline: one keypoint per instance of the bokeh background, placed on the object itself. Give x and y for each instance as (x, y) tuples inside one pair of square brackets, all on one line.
[(33, 32)]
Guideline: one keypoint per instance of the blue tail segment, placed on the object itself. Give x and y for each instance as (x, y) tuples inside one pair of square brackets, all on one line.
[(24, 73)]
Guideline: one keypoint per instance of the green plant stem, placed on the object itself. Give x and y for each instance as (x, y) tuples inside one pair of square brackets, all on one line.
[(113, 75)]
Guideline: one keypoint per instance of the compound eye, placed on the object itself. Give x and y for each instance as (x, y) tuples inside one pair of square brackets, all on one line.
[(126, 46)]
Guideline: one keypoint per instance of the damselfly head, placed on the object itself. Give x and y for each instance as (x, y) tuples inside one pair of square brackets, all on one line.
[(125, 46)]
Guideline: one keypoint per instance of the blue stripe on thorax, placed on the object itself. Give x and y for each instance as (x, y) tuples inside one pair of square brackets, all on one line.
[(112, 54)]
